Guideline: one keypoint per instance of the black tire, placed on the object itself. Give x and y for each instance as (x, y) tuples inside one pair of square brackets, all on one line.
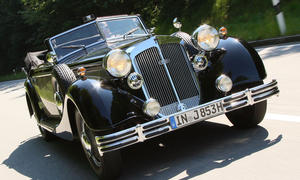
[(192, 50), (46, 135), (107, 166), (248, 117), (64, 77)]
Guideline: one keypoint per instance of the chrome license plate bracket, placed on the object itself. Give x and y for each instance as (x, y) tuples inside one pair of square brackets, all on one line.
[(196, 115)]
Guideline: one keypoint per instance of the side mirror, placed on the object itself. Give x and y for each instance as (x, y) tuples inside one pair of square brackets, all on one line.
[(88, 18), (51, 57), (177, 24), (24, 70)]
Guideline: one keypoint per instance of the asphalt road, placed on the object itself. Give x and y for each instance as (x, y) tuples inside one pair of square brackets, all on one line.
[(209, 150)]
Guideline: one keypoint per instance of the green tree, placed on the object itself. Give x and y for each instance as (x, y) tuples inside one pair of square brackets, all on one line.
[(13, 33)]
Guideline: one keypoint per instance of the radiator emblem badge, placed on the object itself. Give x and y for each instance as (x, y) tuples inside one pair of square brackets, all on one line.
[(164, 61), (181, 107)]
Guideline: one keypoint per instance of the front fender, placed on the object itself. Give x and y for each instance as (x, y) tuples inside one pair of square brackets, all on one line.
[(236, 59), (241, 62), (101, 105)]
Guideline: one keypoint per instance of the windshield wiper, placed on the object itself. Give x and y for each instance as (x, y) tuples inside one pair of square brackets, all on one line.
[(79, 46), (74, 46), (130, 32)]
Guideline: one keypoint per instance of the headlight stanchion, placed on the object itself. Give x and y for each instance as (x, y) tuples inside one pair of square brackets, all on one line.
[(135, 80), (200, 62)]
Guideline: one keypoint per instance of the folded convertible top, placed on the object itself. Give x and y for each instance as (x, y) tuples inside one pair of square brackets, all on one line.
[(33, 59)]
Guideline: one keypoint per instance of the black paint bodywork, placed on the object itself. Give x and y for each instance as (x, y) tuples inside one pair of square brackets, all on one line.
[(236, 59), (108, 105), (104, 105)]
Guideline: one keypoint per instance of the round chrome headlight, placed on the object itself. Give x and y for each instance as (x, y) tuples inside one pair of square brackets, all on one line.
[(224, 83), (135, 80), (117, 63), (206, 37), (151, 107)]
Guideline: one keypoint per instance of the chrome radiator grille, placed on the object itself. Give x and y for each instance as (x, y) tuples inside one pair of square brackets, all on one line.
[(179, 70), (155, 76), (156, 79)]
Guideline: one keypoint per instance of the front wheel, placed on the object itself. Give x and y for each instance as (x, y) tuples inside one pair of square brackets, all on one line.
[(106, 166), (249, 116)]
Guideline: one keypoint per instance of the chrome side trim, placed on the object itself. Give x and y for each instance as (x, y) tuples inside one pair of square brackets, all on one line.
[(92, 58), (148, 130), (40, 76)]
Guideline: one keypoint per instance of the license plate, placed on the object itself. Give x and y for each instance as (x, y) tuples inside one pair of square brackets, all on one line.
[(195, 115)]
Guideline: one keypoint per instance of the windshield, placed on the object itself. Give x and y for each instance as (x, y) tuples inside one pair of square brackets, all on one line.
[(120, 28), (79, 38)]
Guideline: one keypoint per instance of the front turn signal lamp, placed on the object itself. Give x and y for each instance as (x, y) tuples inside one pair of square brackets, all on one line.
[(81, 71), (223, 32)]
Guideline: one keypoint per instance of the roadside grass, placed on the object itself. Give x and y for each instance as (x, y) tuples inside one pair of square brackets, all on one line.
[(291, 13), (9, 77), (250, 20), (254, 27)]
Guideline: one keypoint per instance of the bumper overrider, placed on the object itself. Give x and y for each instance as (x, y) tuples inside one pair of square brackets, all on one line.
[(148, 130)]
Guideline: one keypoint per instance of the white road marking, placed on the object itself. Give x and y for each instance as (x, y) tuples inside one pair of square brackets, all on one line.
[(280, 46), (282, 117)]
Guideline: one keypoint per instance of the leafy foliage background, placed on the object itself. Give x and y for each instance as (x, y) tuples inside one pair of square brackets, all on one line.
[(24, 24)]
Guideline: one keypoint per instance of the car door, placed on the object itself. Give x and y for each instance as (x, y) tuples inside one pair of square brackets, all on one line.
[(44, 84)]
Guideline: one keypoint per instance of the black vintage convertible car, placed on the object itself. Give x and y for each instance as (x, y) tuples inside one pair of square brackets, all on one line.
[(112, 83)]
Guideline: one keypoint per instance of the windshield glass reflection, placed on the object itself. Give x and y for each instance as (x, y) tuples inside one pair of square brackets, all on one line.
[(121, 28)]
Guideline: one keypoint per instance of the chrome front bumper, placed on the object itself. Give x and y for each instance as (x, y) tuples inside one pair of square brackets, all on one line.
[(142, 132)]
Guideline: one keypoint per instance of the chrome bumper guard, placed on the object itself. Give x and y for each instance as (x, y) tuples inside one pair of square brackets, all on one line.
[(142, 132)]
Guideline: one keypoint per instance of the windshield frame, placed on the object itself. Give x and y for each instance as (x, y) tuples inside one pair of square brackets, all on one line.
[(100, 32)]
